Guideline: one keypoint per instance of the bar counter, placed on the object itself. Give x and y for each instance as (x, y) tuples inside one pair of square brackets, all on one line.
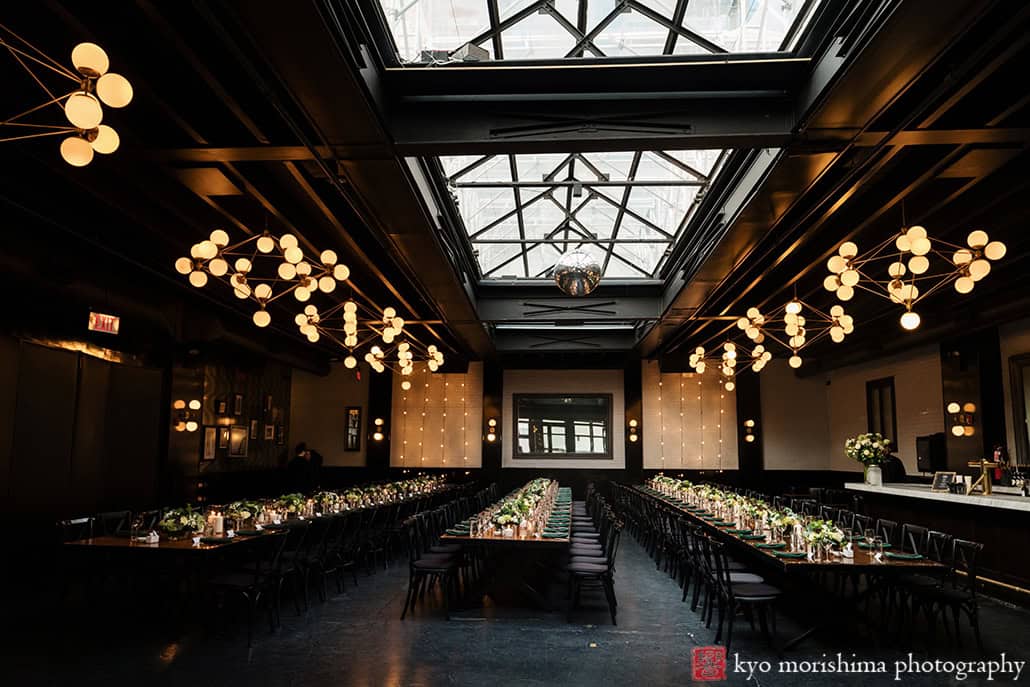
[(922, 491)]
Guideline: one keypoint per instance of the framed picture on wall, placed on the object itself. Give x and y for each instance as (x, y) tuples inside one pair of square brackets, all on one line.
[(223, 437), (237, 405), (352, 438), (210, 442), (269, 432), (237, 441), (280, 435), (221, 407), (253, 429)]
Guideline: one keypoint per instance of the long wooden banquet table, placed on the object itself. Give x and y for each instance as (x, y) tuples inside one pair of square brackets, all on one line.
[(863, 562), (523, 562)]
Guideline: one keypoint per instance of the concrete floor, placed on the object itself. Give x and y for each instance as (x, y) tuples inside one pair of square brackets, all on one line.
[(357, 638)]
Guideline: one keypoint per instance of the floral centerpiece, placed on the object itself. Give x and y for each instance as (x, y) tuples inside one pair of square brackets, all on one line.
[(871, 450), (292, 504), (823, 534), (243, 510), (353, 497), (328, 502), (180, 520)]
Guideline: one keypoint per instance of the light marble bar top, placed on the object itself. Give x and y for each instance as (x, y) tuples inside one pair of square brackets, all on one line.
[(922, 491)]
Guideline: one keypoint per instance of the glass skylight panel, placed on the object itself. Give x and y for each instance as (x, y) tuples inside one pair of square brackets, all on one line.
[(627, 209), (435, 31)]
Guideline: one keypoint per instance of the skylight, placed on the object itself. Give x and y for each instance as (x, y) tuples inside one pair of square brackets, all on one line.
[(522, 212), (452, 31)]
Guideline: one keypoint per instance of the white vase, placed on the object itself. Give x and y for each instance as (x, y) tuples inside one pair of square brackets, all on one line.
[(874, 476)]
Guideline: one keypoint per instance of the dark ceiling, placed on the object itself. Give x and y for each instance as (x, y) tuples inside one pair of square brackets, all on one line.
[(248, 117)]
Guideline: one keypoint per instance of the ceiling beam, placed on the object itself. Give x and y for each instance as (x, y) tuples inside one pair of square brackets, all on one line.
[(518, 308), (589, 125)]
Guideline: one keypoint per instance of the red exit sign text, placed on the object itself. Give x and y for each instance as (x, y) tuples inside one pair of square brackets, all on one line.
[(99, 322)]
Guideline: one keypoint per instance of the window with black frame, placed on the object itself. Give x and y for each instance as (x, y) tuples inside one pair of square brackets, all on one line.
[(881, 413), (562, 425)]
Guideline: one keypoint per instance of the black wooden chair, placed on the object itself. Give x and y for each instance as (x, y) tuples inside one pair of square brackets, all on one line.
[(958, 592)]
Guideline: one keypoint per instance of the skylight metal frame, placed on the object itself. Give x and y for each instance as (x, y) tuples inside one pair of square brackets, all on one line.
[(585, 30), (569, 186)]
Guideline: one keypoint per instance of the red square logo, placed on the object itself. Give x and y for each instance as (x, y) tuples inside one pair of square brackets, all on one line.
[(709, 663)]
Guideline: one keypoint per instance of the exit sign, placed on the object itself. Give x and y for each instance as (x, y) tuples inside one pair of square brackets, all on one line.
[(99, 322)]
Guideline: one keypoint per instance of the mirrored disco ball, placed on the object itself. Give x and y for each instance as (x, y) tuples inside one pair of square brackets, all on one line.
[(577, 273)]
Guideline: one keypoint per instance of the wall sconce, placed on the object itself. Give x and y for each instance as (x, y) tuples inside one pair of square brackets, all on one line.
[(377, 434), (963, 419), (491, 430), (749, 431), (633, 433), (186, 415)]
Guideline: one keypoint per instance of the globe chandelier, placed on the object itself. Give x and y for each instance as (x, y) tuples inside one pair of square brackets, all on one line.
[(82, 107), (265, 269), (916, 267), (577, 273), (792, 326)]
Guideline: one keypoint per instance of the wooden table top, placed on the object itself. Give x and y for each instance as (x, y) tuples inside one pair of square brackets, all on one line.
[(499, 539), (165, 544), (863, 560)]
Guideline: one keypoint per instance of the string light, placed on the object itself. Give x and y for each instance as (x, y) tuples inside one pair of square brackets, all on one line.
[(661, 422), (681, 419)]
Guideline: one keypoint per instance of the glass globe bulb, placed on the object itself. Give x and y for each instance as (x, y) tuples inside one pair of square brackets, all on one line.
[(243, 265), (83, 110), (969, 407), (919, 264), (995, 250), (198, 278), (183, 265), (263, 291), (794, 307), (262, 318), (191, 426), (218, 267), (287, 271), (921, 246), (293, 254), (794, 361), (969, 430), (106, 141), (845, 293), (406, 385), (341, 273), (910, 320), (288, 241), (730, 386), (964, 284), (220, 238), (266, 244), (90, 59), (114, 90), (849, 277), (350, 362), (76, 151), (326, 284), (954, 408), (831, 283), (848, 249), (957, 430), (977, 239), (301, 294), (978, 269)]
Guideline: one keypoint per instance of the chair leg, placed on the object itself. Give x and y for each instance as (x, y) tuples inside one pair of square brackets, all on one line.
[(407, 597)]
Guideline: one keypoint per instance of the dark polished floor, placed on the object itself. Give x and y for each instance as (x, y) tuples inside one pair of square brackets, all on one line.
[(357, 638)]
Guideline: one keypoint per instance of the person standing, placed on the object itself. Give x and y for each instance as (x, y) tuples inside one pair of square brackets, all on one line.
[(299, 472)]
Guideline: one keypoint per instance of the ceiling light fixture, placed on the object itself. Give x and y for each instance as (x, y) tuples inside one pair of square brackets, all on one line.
[(82, 107), (909, 279), (265, 268)]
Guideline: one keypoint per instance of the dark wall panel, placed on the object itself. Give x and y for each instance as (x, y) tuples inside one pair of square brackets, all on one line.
[(8, 401), (43, 429), (132, 437), (88, 452)]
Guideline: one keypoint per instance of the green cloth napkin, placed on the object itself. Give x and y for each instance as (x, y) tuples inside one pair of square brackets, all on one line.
[(457, 533), (869, 546), (790, 554), (248, 533), (777, 545), (739, 531), (213, 540), (554, 535), (903, 556), (753, 537)]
